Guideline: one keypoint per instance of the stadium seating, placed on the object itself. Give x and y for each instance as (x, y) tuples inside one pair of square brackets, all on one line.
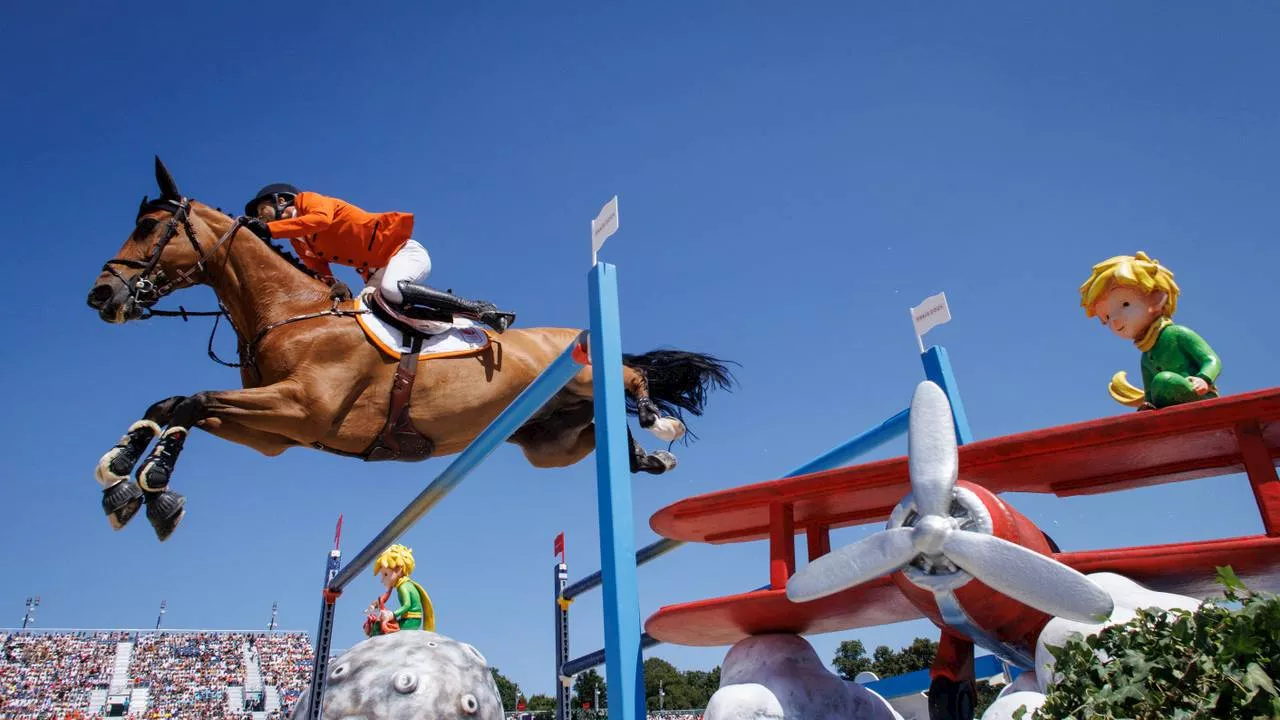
[(91, 675)]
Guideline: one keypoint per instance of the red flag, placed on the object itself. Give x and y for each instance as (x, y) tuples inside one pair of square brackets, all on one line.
[(559, 546), (337, 534)]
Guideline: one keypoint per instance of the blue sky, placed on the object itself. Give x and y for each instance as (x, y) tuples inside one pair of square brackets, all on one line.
[(791, 180)]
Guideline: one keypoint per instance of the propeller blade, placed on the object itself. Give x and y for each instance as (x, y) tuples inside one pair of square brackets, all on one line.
[(932, 460), (867, 559), (1027, 576)]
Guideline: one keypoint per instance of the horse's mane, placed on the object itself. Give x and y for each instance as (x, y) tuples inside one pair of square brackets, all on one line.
[(289, 257), (148, 206)]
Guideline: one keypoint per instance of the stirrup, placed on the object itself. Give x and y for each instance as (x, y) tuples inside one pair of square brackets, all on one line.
[(498, 320)]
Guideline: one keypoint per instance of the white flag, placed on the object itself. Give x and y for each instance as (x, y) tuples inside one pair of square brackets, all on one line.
[(930, 314), (605, 224)]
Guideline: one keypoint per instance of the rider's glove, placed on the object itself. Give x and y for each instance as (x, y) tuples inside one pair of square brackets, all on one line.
[(258, 227), (338, 290)]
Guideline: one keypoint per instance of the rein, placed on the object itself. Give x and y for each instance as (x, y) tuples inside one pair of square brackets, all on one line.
[(144, 293)]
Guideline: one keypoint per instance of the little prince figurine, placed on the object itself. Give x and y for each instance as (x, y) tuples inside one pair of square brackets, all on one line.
[(1135, 296), (393, 567)]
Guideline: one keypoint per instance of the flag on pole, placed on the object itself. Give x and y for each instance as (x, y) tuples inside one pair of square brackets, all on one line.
[(928, 315), (605, 224), (337, 533), (559, 546)]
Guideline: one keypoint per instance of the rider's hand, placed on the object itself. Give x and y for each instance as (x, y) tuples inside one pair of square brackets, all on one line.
[(338, 290), (257, 227)]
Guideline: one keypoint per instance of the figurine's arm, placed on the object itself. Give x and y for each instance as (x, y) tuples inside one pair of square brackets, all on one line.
[(405, 592), (1204, 360)]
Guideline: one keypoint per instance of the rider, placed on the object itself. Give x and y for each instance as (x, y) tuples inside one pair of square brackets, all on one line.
[(378, 245)]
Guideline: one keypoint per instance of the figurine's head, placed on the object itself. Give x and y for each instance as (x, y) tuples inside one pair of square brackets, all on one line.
[(1129, 292), (394, 563)]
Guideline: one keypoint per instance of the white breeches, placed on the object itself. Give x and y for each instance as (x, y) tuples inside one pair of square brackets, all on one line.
[(410, 263)]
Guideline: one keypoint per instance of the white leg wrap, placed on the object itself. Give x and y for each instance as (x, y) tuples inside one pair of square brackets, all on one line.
[(102, 472), (667, 429)]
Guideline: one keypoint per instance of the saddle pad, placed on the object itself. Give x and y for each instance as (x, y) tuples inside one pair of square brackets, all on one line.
[(463, 337)]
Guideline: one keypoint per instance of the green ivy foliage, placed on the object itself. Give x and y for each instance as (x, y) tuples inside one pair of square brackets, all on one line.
[(1220, 661)]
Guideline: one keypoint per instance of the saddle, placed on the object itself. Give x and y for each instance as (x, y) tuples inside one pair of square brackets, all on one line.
[(412, 333)]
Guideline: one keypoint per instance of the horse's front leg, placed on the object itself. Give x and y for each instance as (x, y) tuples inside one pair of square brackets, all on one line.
[(121, 499), (271, 416)]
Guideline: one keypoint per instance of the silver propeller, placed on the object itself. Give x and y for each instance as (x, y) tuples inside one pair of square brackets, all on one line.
[(1033, 579)]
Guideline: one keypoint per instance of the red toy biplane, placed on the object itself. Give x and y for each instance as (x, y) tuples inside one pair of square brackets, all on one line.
[(956, 553)]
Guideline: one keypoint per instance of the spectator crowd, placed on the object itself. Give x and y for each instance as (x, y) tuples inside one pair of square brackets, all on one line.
[(54, 676), (51, 676)]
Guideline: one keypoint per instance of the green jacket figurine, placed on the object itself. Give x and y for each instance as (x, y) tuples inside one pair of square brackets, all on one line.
[(393, 567), (1136, 297)]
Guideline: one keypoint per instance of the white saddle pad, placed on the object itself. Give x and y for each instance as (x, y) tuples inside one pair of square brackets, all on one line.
[(463, 337)]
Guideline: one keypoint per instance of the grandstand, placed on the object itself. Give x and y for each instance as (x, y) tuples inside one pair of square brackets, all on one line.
[(151, 674)]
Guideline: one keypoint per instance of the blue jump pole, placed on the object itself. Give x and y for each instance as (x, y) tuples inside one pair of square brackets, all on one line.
[(555, 377), (624, 669), (937, 368), (547, 384)]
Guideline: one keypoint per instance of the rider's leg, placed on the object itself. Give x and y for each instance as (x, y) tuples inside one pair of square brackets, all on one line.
[(411, 263), (403, 281)]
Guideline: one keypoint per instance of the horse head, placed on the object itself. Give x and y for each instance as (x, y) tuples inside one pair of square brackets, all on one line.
[(164, 252)]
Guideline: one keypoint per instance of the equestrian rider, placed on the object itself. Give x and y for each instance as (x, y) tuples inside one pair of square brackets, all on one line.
[(378, 245)]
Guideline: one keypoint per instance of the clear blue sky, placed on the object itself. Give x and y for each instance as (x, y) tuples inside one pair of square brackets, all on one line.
[(791, 180)]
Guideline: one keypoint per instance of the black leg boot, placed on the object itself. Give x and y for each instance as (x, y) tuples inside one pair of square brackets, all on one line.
[(121, 499), (486, 312), (164, 506)]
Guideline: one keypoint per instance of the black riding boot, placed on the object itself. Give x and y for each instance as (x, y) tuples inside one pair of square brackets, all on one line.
[(486, 312)]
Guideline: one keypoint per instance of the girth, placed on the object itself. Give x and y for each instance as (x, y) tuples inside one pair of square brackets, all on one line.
[(398, 439)]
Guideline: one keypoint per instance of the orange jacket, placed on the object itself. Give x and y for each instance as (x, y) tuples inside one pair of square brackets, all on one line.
[(329, 230)]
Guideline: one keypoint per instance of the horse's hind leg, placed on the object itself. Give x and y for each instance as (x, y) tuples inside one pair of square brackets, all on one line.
[(667, 429), (121, 499), (650, 418), (654, 463)]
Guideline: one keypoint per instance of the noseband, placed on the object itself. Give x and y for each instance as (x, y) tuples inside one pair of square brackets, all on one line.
[(149, 285)]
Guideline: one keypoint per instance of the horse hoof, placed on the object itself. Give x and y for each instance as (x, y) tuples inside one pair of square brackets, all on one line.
[(664, 460), (667, 459), (121, 502), (667, 429), (165, 510)]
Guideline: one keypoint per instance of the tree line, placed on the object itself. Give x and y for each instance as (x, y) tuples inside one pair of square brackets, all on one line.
[(692, 689)]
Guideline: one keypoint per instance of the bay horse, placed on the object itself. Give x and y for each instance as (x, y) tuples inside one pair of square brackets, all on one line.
[(312, 378)]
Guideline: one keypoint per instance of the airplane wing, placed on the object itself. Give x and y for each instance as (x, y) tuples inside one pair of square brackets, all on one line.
[(1188, 568), (1197, 440), (726, 620)]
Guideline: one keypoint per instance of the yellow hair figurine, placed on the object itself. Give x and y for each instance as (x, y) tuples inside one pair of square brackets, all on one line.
[(1136, 297), (393, 568)]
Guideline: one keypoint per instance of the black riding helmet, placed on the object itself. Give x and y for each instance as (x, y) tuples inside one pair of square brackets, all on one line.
[(271, 192)]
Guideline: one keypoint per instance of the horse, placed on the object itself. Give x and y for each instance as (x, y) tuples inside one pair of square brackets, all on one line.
[(312, 378)]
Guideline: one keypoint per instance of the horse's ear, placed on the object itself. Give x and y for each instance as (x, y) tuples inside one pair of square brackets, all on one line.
[(168, 188), (142, 206)]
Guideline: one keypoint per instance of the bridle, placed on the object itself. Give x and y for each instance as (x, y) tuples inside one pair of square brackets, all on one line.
[(149, 284)]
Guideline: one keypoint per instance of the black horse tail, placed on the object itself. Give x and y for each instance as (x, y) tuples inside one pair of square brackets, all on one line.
[(679, 381)]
